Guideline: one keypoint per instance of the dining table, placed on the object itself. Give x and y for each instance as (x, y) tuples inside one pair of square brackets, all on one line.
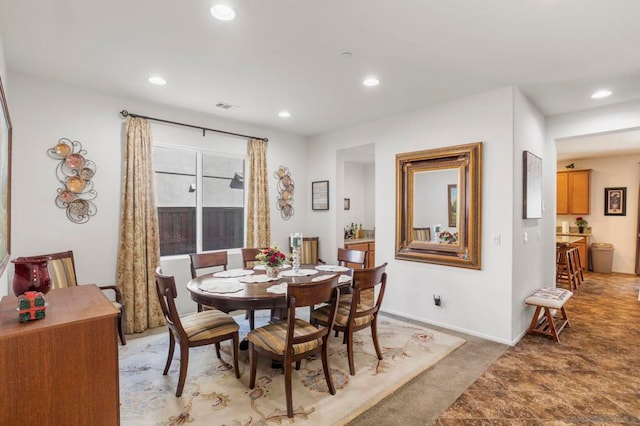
[(252, 289)]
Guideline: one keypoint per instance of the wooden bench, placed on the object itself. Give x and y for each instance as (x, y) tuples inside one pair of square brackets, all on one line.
[(546, 299)]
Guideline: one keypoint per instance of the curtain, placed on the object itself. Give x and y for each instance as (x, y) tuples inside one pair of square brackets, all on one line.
[(258, 218), (139, 246)]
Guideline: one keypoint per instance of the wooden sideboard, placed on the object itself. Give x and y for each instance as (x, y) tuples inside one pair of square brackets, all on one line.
[(368, 246), (63, 369)]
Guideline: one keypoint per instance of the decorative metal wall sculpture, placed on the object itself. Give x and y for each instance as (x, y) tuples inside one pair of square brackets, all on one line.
[(74, 173), (285, 189)]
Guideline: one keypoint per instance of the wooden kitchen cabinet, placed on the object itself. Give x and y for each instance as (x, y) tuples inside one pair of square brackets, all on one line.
[(572, 192), (367, 246), (62, 369)]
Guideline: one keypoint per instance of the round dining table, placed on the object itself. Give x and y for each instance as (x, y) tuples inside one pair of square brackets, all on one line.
[(254, 295)]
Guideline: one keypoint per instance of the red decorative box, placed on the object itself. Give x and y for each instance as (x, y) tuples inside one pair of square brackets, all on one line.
[(31, 306)]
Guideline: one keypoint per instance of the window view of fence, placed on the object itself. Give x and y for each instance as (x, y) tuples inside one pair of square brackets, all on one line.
[(200, 199)]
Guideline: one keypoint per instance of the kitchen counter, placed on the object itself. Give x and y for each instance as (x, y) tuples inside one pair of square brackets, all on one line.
[(568, 239), (573, 234), (359, 240)]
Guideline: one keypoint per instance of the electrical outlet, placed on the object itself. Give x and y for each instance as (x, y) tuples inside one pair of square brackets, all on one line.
[(525, 237), (437, 300), (497, 239)]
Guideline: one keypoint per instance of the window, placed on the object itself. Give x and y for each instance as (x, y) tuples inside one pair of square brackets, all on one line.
[(200, 199)]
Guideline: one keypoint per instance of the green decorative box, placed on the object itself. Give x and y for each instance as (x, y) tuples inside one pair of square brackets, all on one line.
[(31, 306)]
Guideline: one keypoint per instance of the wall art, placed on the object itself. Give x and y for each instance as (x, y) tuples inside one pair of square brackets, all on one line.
[(615, 201), (5, 182), (75, 172), (320, 195), (285, 192)]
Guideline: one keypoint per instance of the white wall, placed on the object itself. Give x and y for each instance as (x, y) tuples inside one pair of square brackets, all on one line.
[(477, 302), (607, 172), (533, 244), (594, 121), (359, 188), (42, 112)]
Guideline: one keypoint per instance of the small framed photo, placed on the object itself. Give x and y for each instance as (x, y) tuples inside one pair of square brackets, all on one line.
[(615, 201), (347, 203), (320, 195)]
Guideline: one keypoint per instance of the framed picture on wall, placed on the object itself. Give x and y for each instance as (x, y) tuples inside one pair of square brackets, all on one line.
[(531, 186), (5, 182), (615, 201), (320, 195)]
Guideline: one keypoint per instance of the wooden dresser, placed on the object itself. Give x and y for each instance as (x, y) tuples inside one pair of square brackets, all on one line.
[(63, 369)]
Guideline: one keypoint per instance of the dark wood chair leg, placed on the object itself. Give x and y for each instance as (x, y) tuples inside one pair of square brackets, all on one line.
[(252, 319), (235, 343), (374, 335), (218, 350), (121, 317), (327, 369), (287, 387), (253, 358), (184, 363), (172, 345), (352, 367)]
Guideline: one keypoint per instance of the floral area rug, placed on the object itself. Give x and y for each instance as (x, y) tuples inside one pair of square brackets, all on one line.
[(213, 396)]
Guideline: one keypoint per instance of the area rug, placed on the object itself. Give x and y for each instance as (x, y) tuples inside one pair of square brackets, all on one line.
[(213, 396)]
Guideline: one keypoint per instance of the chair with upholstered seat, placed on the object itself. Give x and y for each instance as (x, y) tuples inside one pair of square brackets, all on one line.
[(201, 328), (249, 257), (218, 260), (352, 258), (295, 339), (62, 270), (354, 314), (310, 252)]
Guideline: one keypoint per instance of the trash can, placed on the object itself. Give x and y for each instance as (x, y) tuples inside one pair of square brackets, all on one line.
[(601, 257)]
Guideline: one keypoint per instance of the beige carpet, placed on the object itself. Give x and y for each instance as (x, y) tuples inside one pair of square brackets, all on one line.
[(213, 396)]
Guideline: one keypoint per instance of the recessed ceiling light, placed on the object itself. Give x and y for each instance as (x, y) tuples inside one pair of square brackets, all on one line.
[(157, 80), (371, 81), (284, 114), (601, 94), (223, 12)]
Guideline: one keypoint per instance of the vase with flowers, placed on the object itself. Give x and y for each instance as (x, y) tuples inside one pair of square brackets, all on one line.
[(581, 223), (272, 259)]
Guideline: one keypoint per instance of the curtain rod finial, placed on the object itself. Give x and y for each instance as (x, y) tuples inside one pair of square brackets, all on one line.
[(124, 113)]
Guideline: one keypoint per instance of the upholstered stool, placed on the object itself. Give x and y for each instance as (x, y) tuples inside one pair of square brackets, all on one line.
[(548, 298)]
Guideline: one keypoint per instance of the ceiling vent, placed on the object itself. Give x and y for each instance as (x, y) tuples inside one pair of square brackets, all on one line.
[(225, 106)]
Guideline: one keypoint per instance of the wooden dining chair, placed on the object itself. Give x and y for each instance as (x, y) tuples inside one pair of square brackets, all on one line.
[(310, 253), (201, 328), (354, 313), (218, 260), (62, 270), (249, 256), (296, 339), (352, 258)]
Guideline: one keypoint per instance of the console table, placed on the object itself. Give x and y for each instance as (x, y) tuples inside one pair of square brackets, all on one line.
[(63, 369)]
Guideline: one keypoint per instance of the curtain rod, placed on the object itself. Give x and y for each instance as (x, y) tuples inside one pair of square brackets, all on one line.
[(126, 113)]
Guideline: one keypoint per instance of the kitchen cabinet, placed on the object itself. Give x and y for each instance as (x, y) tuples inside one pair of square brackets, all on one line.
[(572, 192), (62, 369), (367, 246)]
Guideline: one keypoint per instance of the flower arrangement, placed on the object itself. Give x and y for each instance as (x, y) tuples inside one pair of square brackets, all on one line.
[(581, 222), (272, 257)]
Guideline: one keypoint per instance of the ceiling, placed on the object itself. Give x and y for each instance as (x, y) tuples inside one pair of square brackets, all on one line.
[(288, 54)]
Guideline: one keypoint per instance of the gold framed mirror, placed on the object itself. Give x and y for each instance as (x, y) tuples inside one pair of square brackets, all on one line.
[(438, 205)]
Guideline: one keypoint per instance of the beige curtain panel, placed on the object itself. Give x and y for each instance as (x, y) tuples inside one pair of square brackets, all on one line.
[(258, 219), (139, 246)]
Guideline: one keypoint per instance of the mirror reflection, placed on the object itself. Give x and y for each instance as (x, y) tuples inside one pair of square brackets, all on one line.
[(438, 206)]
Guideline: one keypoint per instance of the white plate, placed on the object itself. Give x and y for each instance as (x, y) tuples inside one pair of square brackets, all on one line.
[(301, 273), (221, 286), (233, 273), (344, 279), (257, 279), (262, 268), (278, 288), (332, 268)]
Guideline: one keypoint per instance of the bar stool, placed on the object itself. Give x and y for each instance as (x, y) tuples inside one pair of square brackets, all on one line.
[(568, 268)]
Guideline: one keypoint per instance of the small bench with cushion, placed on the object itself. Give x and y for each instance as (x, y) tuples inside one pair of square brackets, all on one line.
[(546, 299)]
